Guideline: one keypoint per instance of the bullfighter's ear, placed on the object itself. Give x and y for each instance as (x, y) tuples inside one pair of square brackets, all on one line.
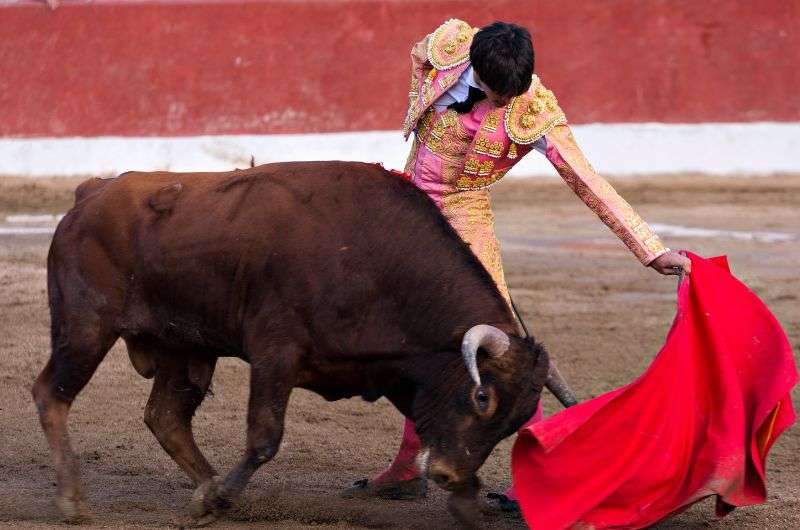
[(484, 401)]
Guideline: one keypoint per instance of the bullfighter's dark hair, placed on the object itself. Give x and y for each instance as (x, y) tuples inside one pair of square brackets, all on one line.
[(502, 54)]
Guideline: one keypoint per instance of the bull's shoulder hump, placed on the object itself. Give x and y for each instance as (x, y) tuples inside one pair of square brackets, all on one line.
[(304, 174), (89, 187)]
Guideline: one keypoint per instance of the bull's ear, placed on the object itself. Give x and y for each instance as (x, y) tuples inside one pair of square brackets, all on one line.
[(484, 401)]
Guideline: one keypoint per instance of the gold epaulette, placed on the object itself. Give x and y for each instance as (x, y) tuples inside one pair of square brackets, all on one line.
[(533, 114), (449, 44)]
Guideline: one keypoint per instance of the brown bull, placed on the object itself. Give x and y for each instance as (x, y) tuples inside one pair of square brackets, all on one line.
[(336, 277)]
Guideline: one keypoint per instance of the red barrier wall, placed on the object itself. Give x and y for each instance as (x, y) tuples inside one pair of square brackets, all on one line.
[(187, 68)]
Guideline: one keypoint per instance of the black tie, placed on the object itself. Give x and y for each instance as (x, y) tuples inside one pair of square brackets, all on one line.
[(474, 96)]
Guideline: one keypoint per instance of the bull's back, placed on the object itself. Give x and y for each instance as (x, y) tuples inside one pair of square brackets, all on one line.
[(314, 213), (282, 207), (290, 222), (322, 238)]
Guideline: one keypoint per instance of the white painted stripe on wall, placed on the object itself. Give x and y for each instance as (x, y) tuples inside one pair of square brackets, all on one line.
[(616, 149), (26, 231), (33, 218), (741, 235)]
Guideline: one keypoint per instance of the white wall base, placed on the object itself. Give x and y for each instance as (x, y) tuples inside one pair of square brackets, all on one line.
[(614, 149)]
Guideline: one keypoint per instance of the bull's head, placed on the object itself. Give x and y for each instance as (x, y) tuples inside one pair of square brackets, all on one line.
[(461, 414)]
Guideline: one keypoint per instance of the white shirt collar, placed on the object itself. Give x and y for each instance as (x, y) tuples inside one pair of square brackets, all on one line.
[(470, 78)]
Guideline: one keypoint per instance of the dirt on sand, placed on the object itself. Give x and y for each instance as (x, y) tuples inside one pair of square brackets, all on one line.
[(601, 314)]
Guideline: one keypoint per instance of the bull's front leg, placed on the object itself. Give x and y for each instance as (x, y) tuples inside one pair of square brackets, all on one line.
[(271, 381), (463, 504)]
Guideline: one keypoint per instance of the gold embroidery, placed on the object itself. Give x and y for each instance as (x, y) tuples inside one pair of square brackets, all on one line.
[(471, 166), (491, 121), (484, 146), (474, 212), (428, 95), (512, 151), (449, 119), (438, 129), (485, 168), (535, 106), (444, 135), (643, 231), (448, 80), (632, 219), (452, 33), (449, 45), (464, 182), (532, 115), (527, 121), (655, 245), (467, 182), (470, 214), (450, 172), (413, 101), (425, 123)]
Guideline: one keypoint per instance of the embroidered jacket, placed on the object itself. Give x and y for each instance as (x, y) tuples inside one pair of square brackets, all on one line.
[(507, 134)]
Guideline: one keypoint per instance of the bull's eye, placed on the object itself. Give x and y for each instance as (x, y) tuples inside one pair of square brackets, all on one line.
[(484, 401)]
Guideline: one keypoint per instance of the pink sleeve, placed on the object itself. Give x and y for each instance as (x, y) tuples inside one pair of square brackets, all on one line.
[(419, 57), (597, 193)]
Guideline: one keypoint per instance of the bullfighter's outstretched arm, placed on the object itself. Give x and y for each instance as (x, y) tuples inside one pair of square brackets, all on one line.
[(563, 152)]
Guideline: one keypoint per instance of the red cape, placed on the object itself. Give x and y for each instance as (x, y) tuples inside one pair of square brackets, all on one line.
[(698, 422)]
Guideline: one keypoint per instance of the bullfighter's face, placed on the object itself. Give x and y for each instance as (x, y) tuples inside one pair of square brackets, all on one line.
[(497, 99), (460, 422)]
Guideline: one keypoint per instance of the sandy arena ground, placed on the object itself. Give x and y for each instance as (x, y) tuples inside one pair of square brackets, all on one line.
[(601, 314)]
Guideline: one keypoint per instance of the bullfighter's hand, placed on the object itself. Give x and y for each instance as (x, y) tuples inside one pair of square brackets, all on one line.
[(672, 262)]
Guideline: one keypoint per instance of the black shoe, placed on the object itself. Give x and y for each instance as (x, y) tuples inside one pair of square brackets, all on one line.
[(501, 503)]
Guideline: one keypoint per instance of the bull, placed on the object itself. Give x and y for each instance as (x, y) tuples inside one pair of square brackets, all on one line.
[(336, 277)]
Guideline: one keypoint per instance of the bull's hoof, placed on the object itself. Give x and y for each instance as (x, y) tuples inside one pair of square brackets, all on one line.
[(191, 522), (73, 509), (465, 510), (204, 507), (404, 490)]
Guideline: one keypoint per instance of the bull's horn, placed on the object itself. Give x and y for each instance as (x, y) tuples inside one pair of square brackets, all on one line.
[(494, 341), (555, 383)]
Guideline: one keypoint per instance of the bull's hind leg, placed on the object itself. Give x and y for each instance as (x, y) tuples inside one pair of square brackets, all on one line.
[(78, 348), (180, 384), (271, 381)]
